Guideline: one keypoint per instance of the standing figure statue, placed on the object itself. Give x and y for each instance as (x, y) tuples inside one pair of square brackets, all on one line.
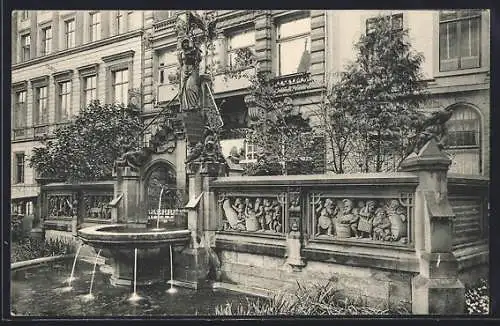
[(189, 56), (189, 59)]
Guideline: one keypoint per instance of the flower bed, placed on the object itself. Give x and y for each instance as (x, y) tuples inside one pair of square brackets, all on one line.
[(29, 248)]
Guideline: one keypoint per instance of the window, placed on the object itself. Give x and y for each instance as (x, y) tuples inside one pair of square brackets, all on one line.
[(90, 89), (459, 39), (464, 140), (69, 33), (24, 14), (120, 86), (119, 22), (167, 71), (25, 47), (64, 100), (20, 113), (19, 175), (293, 46), (46, 40), (95, 27), (396, 22), (41, 101), (243, 40), (250, 151)]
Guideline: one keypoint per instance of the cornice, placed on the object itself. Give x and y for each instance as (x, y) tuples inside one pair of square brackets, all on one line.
[(78, 49)]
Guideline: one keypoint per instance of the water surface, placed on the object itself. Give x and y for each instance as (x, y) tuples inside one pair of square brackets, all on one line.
[(42, 292)]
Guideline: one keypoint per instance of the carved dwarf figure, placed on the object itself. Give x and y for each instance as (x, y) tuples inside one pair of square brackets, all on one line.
[(366, 215), (326, 221), (348, 217), (381, 226)]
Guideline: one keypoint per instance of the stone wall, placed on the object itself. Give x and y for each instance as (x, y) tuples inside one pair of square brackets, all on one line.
[(421, 228)]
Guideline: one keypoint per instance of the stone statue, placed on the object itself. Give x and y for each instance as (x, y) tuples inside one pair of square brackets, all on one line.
[(432, 127), (134, 158), (189, 58)]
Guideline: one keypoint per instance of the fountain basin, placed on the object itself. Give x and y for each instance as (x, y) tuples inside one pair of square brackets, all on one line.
[(118, 243), (124, 236)]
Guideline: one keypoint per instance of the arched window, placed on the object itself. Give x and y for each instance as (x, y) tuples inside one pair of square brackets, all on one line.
[(464, 140)]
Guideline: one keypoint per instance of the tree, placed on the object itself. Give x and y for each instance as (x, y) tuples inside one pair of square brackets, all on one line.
[(374, 105), (278, 129), (87, 147)]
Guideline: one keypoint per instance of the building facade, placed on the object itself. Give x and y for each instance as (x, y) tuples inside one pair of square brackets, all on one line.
[(456, 49), (288, 44), (63, 59)]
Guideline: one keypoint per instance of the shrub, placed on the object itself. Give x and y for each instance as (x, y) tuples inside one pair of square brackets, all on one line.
[(477, 298), (16, 227), (30, 248)]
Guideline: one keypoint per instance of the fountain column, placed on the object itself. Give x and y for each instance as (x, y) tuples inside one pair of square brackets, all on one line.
[(127, 185), (438, 277)]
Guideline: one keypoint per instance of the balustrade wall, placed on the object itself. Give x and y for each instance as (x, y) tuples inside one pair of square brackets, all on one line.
[(89, 202), (359, 229)]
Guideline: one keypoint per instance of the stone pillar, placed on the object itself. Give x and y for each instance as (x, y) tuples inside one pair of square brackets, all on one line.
[(263, 40), (128, 185), (437, 289), (195, 262)]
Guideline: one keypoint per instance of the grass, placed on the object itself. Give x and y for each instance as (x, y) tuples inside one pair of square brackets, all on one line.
[(313, 299), (319, 299)]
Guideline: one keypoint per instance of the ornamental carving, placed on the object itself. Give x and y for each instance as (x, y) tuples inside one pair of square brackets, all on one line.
[(253, 214), (62, 205), (369, 219), (97, 206)]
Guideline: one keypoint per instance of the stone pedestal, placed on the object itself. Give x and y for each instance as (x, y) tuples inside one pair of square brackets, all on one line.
[(437, 289), (153, 266)]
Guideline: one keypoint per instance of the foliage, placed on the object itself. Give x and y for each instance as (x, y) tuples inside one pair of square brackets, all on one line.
[(86, 148), (308, 300), (32, 248), (372, 107), (278, 129), (16, 227), (477, 298)]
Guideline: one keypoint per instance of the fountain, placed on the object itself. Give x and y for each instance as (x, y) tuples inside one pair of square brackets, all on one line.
[(137, 252), (90, 296), (171, 289)]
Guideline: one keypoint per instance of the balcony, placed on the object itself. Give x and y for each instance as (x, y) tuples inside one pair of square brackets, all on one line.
[(292, 80), (223, 83)]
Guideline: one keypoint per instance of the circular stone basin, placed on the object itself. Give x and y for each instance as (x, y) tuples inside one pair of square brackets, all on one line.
[(125, 236), (118, 243)]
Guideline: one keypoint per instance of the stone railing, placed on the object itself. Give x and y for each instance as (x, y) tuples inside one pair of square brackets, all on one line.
[(87, 202), (468, 196), (292, 80), (369, 209)]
